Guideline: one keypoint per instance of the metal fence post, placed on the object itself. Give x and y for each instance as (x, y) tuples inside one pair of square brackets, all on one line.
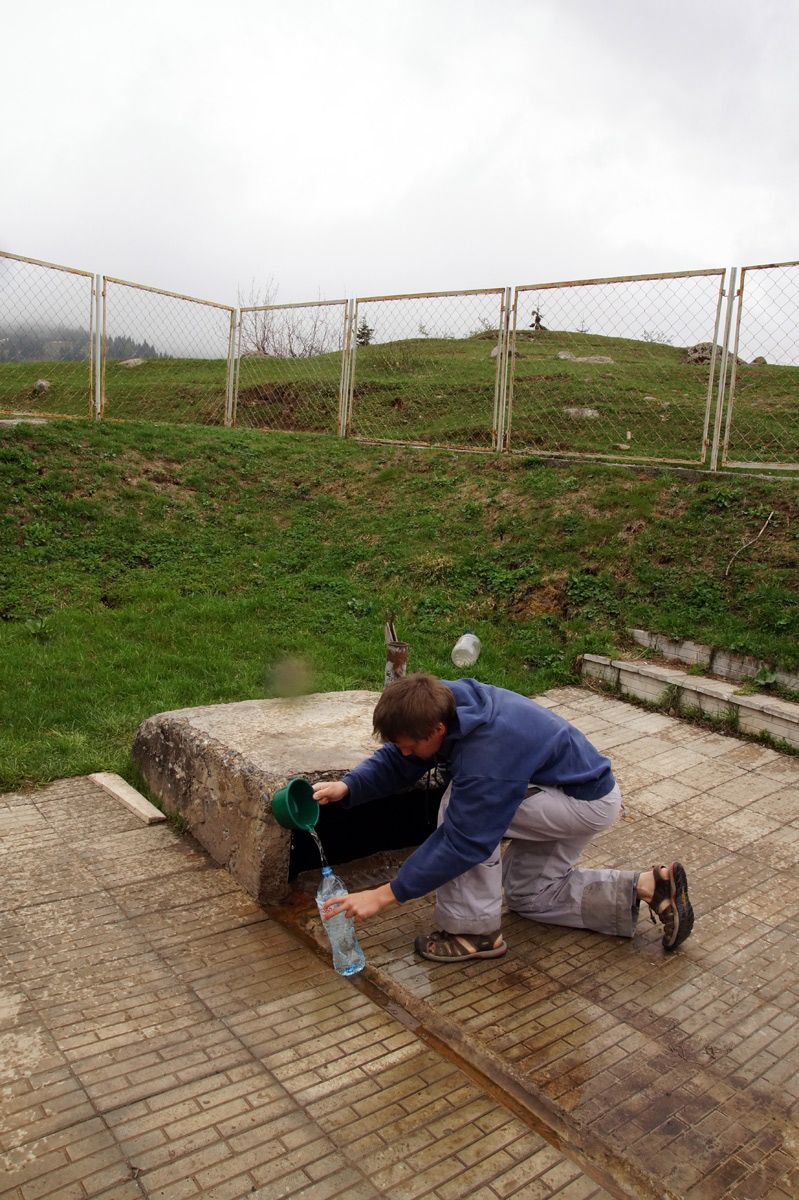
[(237, 372), (353, 344), (101, 396), (231, 369), (510, 350), (734, 371), (344, 380), (97, 353), (725, 347), (511, 371), (500, 389), (712, 375)]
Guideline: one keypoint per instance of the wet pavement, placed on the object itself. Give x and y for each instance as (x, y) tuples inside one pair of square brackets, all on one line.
[(163, 1036), (677, 1072)]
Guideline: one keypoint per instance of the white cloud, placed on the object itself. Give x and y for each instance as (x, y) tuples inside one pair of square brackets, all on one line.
[(338, 145)]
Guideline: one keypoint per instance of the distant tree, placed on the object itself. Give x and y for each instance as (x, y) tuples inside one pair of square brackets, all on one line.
[(64, 344), (365, 334), (257, 328), (122, 347), (271, 331)]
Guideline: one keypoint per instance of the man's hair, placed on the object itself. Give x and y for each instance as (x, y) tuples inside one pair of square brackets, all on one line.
[(412, 707)]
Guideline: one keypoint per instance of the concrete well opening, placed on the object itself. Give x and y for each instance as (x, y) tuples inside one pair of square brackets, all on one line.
[(398, 822), (218, 767)]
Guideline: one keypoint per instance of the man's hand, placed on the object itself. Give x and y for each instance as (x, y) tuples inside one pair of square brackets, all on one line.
[(359, 904), (327, 793)]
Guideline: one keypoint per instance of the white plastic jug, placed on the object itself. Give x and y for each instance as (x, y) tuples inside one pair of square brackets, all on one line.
[(466, 650)]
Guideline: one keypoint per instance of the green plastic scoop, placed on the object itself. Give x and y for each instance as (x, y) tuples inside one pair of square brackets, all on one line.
[(294, 806)]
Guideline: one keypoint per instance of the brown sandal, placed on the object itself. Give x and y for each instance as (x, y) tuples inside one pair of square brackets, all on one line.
[(440, 946), (670, 905)]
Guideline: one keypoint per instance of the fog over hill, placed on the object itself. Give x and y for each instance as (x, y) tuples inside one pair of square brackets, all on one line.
[(58, 343)]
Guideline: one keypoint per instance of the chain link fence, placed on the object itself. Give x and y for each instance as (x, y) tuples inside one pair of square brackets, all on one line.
[(290, 366), (616, 367), (46, 339), (429, 368), (632, 367), (166, 357), (762, 424)]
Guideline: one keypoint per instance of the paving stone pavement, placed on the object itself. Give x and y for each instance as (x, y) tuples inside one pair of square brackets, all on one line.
[(162, 1037), (683, 1066)]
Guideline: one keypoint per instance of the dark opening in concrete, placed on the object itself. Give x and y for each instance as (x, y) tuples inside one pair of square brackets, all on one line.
[(219, 766), (393, 823)]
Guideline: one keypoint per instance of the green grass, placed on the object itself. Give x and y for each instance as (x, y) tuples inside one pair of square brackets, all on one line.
[(440, 391), (149, 567), (647, 390), (70, 392)]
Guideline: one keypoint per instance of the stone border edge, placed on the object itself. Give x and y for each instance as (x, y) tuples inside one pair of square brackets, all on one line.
[(756, 715), (122, 791)]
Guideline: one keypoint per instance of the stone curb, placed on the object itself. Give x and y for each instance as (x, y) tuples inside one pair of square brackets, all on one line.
[(718, 662), (712, 697), (117, 787)]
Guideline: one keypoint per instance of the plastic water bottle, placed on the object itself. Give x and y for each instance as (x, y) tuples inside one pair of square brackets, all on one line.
[(347, 954), (466, 650)]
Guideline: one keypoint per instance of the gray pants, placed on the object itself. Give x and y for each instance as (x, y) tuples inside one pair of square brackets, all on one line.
[(548, 834)]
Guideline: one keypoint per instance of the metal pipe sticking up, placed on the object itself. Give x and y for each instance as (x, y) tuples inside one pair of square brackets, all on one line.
[(396, 653)]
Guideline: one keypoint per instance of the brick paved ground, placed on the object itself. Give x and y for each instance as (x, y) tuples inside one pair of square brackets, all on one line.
[(160, 1036), (684, 1066)]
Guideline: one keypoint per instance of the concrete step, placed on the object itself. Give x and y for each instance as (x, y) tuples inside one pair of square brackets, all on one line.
[(721, 663), (759, 714)]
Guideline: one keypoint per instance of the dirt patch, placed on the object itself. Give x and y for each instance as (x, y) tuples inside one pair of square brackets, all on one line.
[(544, 377), (268, 393), (281, 406), (631, 531), (548, 599)]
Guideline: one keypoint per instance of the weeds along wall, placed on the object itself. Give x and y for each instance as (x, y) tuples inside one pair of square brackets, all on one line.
[(693, 367)]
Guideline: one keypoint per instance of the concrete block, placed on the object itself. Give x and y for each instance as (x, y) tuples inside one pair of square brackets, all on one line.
[(597, 666), (219, 766)]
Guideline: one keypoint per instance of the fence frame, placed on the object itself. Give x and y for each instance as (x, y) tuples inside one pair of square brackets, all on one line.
[(725, 460), (722, 377), (721, 272), (143, 287), (500, 378), (93, 321), (345, 337)]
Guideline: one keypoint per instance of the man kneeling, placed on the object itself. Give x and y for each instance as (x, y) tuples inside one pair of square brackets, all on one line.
[(515, 770)]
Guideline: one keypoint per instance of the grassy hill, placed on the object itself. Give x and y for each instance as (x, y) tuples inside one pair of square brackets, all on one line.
[(151, 567), (440, 391)]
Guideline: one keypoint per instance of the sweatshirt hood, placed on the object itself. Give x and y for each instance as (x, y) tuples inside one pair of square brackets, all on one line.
[(475, 707)]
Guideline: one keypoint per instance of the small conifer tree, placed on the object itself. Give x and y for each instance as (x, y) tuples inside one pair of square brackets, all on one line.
[(364, 335)]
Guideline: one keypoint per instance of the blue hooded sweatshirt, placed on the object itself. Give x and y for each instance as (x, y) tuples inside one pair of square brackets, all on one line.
[(497, 744)]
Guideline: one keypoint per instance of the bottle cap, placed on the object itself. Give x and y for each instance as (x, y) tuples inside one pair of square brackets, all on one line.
[(327, 870)]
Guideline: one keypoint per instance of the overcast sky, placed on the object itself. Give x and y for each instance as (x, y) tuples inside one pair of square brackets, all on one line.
[(351, 148)]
